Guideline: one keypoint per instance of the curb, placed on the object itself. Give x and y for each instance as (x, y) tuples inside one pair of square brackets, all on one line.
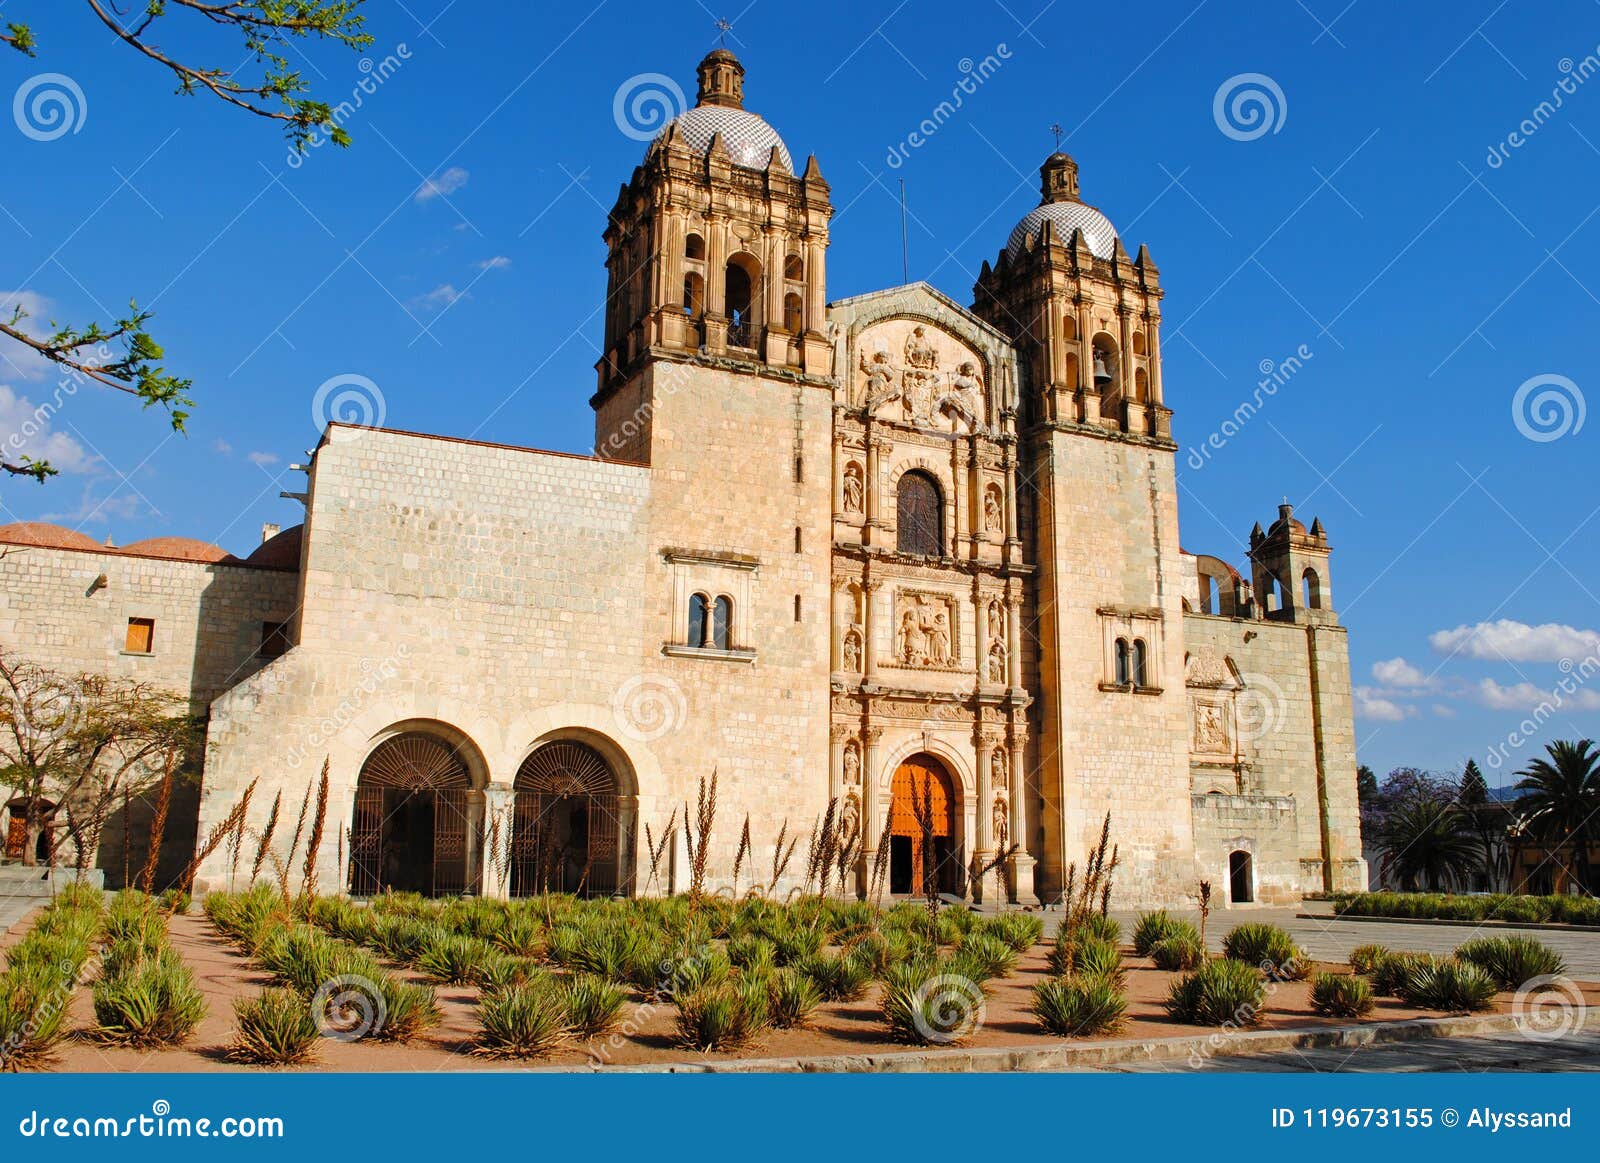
[(1071, 1055), (1543, 926)]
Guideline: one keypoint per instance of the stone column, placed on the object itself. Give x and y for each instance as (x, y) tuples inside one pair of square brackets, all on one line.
[(1153, 330), (494, 855), (871, 809), (959, 496), (873, 486), (837, 736), (1014, 639), (841, 622), (983, 839), (841, 457), (869, 627), (1013, 540), (716, 284), (1022, 864)]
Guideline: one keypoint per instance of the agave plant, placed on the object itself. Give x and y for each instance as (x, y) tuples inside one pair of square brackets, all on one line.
[(1153, 927), (522, 1021), (1219, 993), (794, 997), (593, 1004), (1341, 995), (154, 1001), (1448, 985), (1512, 961), (1075, 1007), (276, 1028), (1364, 959)]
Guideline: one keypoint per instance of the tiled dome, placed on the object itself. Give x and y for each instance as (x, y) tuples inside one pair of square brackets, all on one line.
[(281, 551), (181, 548), (748, 137), (1064, 218), (45, 535)]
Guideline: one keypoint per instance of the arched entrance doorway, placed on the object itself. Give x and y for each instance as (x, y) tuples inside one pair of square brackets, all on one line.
[(1241, 886), (922, 827), (565, 831), (410, 829)]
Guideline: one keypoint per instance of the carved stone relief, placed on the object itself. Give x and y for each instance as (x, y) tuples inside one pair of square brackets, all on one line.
[(912, 373)]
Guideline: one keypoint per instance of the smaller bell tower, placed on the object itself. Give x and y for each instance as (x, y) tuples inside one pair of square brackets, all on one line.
[(1289, 570)]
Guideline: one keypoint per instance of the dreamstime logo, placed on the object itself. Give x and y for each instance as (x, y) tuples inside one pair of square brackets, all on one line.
[(1547, 1008), (374, 74), (349, 1007), (49, 711), (648, 709), (49, 106), (1248, 106), (973, 76), (1259, 707), (1274, 375), (645, 102), (1548, 407), (348, 399), (1574, 74), (1574, 676), (949, 1007)]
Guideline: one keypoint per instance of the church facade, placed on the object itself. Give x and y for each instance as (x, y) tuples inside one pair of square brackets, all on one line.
[(887, 560)]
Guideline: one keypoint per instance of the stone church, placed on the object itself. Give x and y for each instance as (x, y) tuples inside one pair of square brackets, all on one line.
[(884, 553)]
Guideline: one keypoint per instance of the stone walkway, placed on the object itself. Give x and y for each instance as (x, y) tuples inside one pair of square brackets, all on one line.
[(1514, 1052)]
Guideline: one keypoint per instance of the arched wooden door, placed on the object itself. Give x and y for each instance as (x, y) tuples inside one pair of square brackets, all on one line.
[(410, 832), (922, 828)]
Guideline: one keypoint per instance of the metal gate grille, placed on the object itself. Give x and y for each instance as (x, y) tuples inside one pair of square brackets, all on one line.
[(565, 826), (400, 773)]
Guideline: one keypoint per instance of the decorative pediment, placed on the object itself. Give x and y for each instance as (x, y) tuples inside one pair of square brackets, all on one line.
[(1206, 668), (913, 373)]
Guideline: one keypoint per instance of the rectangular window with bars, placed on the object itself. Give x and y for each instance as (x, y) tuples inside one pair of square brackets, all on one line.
[(141, 636)]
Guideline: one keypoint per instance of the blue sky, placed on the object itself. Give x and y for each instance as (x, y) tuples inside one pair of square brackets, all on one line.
[(452, 257)]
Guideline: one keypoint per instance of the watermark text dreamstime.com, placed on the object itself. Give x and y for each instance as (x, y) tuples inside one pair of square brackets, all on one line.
[(1574, 74), (1575, 675), (973, 76), (1274, 375), (375, 72)]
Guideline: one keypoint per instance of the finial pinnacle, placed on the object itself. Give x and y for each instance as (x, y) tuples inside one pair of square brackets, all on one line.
[(1056, 129), (724, 26)]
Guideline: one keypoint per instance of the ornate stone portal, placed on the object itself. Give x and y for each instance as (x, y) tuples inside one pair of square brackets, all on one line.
[(925, 630)]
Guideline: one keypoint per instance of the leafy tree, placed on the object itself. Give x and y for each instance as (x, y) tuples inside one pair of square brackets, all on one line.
[(124, 356), (1367, 796), (1426, 838), (1560, 797), (83, 741)]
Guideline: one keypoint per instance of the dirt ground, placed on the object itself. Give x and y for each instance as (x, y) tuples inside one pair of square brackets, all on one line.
[(647, 1032)]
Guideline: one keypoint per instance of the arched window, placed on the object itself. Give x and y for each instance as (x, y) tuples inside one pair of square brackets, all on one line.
[(919, 515), (791, 314), (742, 276), (694, 247), (722, 624), (1311, 588), (1122, 661), (1139, 663), (793, 268), (1208, 594), (698, 608), (694, 295)]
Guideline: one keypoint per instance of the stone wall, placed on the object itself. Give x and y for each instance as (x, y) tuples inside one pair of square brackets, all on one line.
[(1262, 826)]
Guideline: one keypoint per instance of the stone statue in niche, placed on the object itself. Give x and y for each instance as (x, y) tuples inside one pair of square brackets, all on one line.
[(852, 764), (850, 819), (994, 510), (997, 661), (921, 376), (924, 632), (880, 380), (852, 651), (854, 488), (1210, 728), (997, 622), (1000, 821)]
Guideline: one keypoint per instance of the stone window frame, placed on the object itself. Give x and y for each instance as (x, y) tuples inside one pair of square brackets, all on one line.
[(1133, 627), (716, 576), (144, 621)]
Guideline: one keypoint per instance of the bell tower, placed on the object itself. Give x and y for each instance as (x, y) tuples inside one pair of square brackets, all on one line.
[(1289, 570), (715, 248), (1097, 452), (1086, 316)]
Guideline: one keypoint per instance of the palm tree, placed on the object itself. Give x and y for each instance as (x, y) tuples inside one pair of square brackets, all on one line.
[(1429, 839), (1560, 800)]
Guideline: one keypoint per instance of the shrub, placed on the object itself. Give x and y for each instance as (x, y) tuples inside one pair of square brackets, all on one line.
[(521, 935), (1389, 972), (593, 1004), (153, 1001), (1073, 1007), (987, 953), (1447, 985), (404, 937), (925, 1004), (1097, 926), (1341, 995), (794, 997), (1218, 993), (1366, 958), (1180, 951), (750, 951), (1151, 928), (723, 1017), (408, 1009), (1092, 956), (1268, 948), (838, 977), (698, 969), (1512, 961), (794, 942), (1021, 931), (521, 1021), (606, 953), (276, 1028), (454, 959), (33, 1001)]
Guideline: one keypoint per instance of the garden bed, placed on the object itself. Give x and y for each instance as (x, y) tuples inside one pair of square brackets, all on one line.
[(1572, 912), (647, 1035)]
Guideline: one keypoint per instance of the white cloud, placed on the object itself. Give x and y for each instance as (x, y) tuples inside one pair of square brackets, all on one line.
[(1443, 711), (263, 458), (442, 296), (1370, 704), (25, 429), (1511, 641), (1397, 672), (93, 510), (24, 362), (441, 185), (1525, 696), (498, 263), (222, 446)]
